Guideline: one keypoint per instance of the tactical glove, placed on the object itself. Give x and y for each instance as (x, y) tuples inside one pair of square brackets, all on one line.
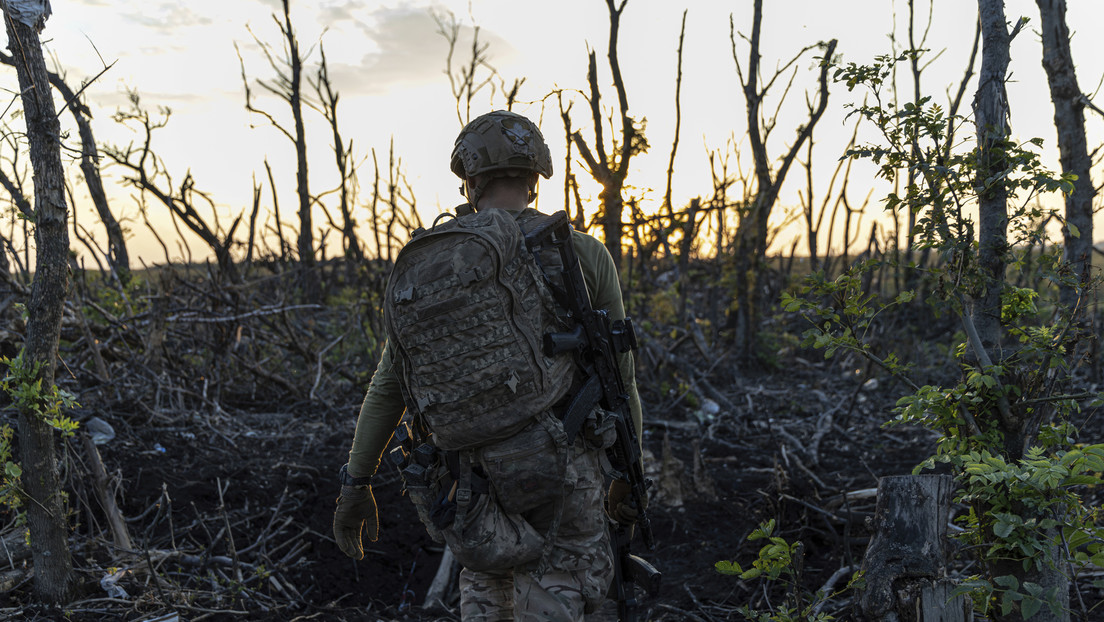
[(620, 506), (356, 509)]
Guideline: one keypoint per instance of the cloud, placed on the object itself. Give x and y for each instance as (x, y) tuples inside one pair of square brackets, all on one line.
[(167, 17), (404, 47), (337, 13)]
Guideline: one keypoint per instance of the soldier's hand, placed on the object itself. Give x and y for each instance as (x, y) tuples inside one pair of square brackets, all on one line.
[(620, 505), (356, 510)]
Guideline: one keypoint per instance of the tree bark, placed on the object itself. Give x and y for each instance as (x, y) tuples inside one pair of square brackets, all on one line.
[(991, 118), (1069, 119), (905, 563), (46, 509), (310, 281)]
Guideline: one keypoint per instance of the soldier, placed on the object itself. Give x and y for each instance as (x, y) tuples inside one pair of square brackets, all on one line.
[(500, 156)]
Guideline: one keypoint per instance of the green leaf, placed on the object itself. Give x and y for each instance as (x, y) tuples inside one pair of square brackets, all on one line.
[(905, 296), (764, 530), (1030, 606), (1008, 603), (728, 567)]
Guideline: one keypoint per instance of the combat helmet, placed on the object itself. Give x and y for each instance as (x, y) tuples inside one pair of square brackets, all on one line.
[(500, 141)]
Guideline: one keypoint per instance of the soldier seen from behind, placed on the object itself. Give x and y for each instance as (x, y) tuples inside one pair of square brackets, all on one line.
[(521, 400)]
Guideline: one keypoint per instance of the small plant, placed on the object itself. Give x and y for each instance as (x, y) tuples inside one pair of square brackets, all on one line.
[(1023, 512), (781, 560), (24, 386), (10, 496)]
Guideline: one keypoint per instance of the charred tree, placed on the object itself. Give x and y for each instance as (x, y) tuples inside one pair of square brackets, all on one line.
[(46, 512), (147, 173), (287, 86), (392, 226), (346, 188), (610, 170), (1069, 119), (905, 564), (463, 81), (750, 245)]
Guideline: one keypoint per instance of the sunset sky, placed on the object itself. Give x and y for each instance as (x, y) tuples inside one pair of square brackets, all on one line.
[(387, 61)]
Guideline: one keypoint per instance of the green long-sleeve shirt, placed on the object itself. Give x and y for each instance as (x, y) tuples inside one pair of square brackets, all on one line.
[(383, 405)]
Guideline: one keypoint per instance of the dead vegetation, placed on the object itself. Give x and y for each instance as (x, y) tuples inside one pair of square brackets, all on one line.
[(229, 407)]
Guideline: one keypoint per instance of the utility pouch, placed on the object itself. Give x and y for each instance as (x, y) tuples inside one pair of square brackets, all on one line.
[(424, 478), (483, 536), (526, 470)]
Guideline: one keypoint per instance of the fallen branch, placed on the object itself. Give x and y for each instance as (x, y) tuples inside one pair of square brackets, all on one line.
[(119, 532), (192, 316)]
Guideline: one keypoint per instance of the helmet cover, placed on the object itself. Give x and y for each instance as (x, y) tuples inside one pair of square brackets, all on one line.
[(500, 141)]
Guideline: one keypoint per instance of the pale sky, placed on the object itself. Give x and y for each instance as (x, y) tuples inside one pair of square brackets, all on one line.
[(388, 64)]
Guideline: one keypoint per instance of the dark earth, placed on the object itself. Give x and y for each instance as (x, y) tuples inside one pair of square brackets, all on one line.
[(717, 476), (226, 451)]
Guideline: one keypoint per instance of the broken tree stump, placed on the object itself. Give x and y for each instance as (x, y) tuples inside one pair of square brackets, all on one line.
[(905, 564)]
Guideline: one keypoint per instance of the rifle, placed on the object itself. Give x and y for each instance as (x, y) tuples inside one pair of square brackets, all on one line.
[(596, 339)]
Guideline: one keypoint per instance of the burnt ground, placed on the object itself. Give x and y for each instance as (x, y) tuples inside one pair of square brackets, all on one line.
[(232, 411), (785, 445)]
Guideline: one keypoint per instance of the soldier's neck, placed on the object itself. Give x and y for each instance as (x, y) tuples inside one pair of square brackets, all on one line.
[(513, 205)]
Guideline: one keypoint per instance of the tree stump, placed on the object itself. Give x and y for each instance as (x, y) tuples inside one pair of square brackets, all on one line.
[(905, 564)]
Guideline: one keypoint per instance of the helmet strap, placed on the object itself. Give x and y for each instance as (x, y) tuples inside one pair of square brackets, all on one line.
[(533, 179), (475, 190)]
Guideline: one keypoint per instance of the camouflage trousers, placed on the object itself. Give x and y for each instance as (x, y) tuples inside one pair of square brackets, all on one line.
[(578, 570)]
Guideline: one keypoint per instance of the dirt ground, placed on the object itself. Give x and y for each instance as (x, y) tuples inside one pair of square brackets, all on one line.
[(192, 483), (231, 508)]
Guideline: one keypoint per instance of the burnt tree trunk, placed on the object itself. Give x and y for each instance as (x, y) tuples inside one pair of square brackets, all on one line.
[(346, 169), (305, 243), (611, 170), (46, 511), (1069, 119), (905, 564)]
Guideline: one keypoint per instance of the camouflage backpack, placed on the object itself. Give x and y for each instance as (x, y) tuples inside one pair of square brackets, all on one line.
[(466, 309)]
